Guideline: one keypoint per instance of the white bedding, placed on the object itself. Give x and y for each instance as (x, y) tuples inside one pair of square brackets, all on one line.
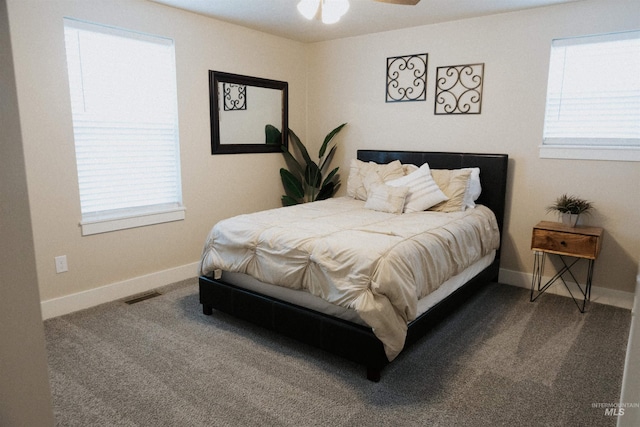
[(305, 299), (376, 263)]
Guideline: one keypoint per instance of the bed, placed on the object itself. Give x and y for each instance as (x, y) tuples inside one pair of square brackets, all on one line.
[(333, 326)]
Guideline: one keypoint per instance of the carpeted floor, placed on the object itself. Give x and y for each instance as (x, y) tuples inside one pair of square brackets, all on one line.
[(499, 360)]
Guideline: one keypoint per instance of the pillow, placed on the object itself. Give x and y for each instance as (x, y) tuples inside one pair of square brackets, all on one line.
[(409, 168), (423, 191), (370, 179), (359, 169), (454, 184), (473, 188), (385, 198)]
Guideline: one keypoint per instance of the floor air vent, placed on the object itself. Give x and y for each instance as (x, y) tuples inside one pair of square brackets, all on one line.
[(142, 297)]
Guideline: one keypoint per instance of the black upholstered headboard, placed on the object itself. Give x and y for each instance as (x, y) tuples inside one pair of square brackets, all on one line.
[(493, 171)]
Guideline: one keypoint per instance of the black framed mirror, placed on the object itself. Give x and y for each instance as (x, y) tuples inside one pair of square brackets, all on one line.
[(248, 114)]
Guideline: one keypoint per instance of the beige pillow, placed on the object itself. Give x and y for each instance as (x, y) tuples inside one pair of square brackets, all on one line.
[(372, 178), (453, 183), (409, 168), (423, 191), (385, 198), (358, 171)]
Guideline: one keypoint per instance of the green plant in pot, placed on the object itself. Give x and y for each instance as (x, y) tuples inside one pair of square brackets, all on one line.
[(570, 208), (307, 180)]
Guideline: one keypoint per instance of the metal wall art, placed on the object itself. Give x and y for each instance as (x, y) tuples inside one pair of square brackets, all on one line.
[(459, 89), (235, 96), (407, 78)]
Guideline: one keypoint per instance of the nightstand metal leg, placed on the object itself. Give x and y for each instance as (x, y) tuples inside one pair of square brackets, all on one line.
[(587, 289), (538, 270), (589, 277)]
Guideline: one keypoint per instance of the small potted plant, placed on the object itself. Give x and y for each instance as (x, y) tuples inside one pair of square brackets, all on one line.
[(570, 208)]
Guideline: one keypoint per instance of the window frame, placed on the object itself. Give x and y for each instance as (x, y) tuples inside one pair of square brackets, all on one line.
[(133, 216), (588, 148)]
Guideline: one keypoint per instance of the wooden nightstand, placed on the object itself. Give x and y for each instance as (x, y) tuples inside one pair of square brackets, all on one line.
[(559, 239)]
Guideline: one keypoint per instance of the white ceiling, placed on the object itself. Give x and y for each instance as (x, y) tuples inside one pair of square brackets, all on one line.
[(281, 18)]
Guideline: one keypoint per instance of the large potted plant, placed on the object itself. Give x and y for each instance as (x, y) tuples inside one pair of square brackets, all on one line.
[(570, 208), (307, 180)]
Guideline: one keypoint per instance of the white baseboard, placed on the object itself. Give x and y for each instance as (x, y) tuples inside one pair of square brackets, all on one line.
[(600, 295), (79, 301)]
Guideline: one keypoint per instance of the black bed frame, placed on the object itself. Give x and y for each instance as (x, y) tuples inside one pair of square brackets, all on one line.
[(347, 339)]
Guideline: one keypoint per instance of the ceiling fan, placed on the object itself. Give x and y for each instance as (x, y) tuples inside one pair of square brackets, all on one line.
[(406, 2), (330, 11)]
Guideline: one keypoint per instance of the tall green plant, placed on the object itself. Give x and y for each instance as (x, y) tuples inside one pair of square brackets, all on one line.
[(306, 180)]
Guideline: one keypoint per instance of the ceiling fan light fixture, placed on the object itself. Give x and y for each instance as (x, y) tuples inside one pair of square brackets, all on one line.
[(309, 8), (333, 10), (329, 11)]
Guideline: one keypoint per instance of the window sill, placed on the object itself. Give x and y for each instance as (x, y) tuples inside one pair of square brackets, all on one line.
[(581, 152), (130, 219)]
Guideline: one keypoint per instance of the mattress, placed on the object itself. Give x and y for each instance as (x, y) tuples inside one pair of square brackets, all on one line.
[(376, 263), (312, 302)]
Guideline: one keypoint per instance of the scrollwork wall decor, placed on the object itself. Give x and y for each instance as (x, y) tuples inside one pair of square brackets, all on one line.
[(235, 97), (407, 78), (459, 89)]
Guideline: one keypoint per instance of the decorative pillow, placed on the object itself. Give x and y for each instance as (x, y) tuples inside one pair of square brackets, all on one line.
[(473, 188), (409, 168), (370, 179), (454, 184), (423, 191), (385, 198), (359, 169)]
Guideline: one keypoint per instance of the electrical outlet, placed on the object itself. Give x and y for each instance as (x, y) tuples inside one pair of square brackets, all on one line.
[(61, 264)]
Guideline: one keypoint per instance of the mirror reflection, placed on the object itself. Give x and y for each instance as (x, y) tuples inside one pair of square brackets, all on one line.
[(248, 114)]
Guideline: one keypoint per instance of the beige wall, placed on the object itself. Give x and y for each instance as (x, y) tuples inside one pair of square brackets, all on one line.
[(348, 83), (329, 83), (25, 398), (213, 187)]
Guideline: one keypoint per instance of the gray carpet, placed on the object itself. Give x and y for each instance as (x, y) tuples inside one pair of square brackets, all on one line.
[(498, 360)]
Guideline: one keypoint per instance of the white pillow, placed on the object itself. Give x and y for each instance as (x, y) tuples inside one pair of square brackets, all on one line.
[(385, 198), (473, 188), (358, 171), (423, 190)]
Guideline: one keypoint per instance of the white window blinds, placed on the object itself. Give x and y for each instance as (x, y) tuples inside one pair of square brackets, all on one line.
[(593, 93), (124, 106)]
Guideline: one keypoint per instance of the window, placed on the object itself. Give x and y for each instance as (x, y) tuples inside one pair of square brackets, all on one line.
[(593, 98), (125, 122)]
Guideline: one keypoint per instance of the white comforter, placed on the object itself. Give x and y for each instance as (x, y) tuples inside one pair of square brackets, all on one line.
[(377, 263)]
